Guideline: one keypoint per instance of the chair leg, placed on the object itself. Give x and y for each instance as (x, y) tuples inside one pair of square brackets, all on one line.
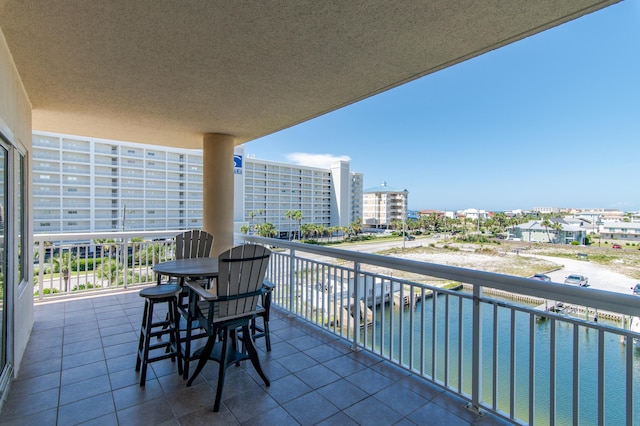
[(147, 342), (267, 337), (187, 347), (142, 331), (174, 336), (222, 369), (204, 357), (253, 353)]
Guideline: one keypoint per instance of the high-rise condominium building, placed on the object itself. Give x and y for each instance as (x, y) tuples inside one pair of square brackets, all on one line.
[(93, 185), (383, 204)]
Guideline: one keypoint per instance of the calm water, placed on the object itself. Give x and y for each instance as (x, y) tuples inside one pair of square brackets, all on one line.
[(615, 375)]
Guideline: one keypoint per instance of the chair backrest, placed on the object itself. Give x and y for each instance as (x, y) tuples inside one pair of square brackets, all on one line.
[(194, 243), (241, 273)]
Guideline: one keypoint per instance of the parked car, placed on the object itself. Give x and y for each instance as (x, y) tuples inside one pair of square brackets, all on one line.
[(575, 279), (616, 246), (541, 277), (636, 290), (409, 238)]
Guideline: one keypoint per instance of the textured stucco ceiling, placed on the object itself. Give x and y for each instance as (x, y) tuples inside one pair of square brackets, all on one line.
[(166, 72)]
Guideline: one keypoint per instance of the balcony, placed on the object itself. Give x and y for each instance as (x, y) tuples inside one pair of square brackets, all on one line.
[(90, 345), (411, 350)]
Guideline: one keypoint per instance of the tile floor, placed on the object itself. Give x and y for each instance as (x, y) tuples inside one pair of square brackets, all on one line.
[(79, 369)]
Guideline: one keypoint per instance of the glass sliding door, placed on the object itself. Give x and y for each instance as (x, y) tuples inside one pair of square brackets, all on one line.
[(3, 257)]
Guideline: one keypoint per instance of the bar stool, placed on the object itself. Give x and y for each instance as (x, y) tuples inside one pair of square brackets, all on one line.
[(166, 293)]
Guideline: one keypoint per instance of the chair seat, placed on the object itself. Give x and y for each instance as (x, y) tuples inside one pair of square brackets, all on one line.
[(160, 291)]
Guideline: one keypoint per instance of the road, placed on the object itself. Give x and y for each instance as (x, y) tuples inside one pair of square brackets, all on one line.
[(599, 276)]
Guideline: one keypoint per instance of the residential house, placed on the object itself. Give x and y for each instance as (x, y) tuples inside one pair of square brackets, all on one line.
[(533, 231), (626, 231)]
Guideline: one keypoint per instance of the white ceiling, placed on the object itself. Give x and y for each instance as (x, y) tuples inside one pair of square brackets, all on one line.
[(166, 72)]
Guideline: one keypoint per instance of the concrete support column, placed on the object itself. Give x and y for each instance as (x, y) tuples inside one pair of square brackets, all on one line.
[(217, 190)]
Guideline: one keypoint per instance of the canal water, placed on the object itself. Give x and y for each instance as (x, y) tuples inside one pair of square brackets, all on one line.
[(378, 338)]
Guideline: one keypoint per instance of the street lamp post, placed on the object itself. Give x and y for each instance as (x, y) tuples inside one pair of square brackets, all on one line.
[(404, 221)]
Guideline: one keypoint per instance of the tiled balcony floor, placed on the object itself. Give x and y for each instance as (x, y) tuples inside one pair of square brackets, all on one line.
[(79, 369)]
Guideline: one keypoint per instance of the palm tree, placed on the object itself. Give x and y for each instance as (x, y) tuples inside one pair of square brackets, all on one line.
[(332, 230), (305, 231), (289, 214), (557, 227), (297, 215), (546, 224), (267, 230), (356, 227), (396, 224), (251, 215)]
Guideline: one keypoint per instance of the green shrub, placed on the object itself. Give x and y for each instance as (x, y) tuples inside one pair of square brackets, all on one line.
[(47, 291), (86, 286), (575, 243)]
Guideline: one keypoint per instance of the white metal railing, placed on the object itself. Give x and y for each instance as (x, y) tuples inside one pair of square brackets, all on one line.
[(519, 361), (74, 263), (524, 363)]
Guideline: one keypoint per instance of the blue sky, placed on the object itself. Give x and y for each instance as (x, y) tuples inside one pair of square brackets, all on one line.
[(549, 121)]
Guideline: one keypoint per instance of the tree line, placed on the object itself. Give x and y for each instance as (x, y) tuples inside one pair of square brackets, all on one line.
[(304, 231)]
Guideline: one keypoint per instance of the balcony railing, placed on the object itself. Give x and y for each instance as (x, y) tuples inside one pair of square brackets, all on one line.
[(77, 263), (486, 337)]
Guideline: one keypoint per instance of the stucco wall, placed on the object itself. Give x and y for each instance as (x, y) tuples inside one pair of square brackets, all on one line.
[(15, 125)]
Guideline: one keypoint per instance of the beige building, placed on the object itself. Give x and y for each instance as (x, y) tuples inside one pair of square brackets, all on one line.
[(382, 205)]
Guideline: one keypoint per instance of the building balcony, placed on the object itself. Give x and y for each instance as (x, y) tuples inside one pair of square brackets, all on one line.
[(79, 367), (358, 338)]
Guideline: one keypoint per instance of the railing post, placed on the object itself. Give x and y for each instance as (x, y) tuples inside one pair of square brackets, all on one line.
[(356, 303), (292, 279), (476, 361), (41, 253), (125, 260)]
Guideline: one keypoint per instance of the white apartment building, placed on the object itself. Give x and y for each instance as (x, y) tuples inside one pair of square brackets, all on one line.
[(324, 196), (382, 205), (547, 210), (357, 193), (93, 185)]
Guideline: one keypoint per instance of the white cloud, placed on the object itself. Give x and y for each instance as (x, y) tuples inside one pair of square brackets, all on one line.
[(315, 160)]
